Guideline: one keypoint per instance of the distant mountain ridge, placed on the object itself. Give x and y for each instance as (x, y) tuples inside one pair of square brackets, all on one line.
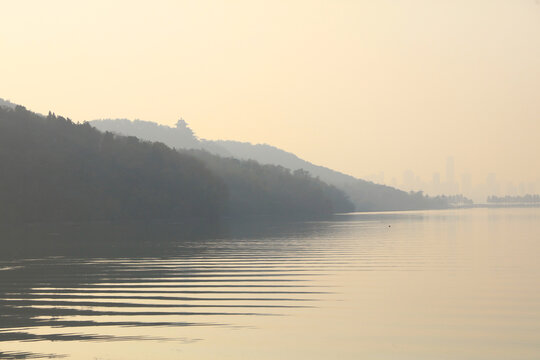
[(365, 195), (268, 154), (56, 170)]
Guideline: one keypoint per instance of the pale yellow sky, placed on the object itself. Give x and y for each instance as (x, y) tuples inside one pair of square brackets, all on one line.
[(358, 86)]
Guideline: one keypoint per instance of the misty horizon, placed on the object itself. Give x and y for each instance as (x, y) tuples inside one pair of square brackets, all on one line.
[(446, 182), (359, 87), (254, 179)]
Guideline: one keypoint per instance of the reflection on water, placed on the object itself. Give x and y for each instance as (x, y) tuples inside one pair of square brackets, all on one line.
[(408, 285), (59, 280)]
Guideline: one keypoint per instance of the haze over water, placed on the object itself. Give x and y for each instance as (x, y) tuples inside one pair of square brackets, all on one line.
[(456, 284)]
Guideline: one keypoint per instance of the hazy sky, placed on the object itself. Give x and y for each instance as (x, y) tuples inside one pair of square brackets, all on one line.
[(359, 86)]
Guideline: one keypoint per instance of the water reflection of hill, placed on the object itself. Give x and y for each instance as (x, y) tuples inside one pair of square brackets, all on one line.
[(59, 279)]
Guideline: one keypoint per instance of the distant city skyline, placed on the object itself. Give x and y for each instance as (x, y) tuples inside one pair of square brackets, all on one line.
[(355, 86), (450, 183)]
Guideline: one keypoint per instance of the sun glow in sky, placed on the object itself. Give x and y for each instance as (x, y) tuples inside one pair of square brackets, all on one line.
[(358, 86)]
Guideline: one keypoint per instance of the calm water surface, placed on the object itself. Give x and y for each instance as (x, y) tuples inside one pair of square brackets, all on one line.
[(462, 284)]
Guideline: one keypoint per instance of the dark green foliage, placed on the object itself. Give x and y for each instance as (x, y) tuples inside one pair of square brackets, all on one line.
[(271, 190), (7, 103), (368, 196), (365, 195), (53, 169)]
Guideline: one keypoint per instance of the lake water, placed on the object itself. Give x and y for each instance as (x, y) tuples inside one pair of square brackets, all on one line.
[(459, 284)]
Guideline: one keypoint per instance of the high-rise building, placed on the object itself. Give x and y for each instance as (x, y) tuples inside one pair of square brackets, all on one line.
[(450, 185), (408, 180), (466, 185), (436, 184), (450, 170), (492, 186)]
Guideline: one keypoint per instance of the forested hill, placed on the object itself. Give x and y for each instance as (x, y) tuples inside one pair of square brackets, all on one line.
[(269, 189), (56, 170), (7, 104), (365, 195)]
